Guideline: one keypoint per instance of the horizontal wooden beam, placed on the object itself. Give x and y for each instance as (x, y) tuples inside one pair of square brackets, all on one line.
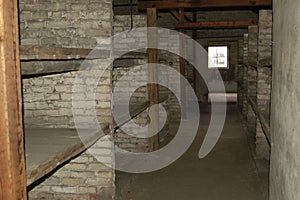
[(169, 4), (59, 53), (216, 25), (49, 58), (48, 67)]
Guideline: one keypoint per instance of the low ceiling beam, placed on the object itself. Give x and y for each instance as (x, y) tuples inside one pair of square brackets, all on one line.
[(171, 4), (216, 25)]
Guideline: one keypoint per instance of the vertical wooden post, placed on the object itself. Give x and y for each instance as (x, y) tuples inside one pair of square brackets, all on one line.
[(182, 63), (12, 167), (153, 77)]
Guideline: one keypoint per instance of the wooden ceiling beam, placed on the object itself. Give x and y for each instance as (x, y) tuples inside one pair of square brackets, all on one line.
[(171, 4), (216, 25)]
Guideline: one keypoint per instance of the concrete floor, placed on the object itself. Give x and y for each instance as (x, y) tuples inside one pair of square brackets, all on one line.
[(227, 173)]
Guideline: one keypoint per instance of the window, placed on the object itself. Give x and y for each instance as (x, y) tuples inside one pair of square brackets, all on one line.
[(218, 57)]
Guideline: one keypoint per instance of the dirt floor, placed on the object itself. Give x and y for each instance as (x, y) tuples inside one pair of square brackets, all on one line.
[(229, 172)]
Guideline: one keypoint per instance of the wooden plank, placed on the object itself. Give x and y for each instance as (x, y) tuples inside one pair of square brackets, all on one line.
[(40, 68), (153, 77), (47, 149), (47, 55), (29, 52), (12, 168), (216, 25), (169, 4)]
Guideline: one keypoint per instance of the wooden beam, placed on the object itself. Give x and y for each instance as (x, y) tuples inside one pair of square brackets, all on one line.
[(73, 57), (181, 15), (153, 77), (169, 4), (12, 157), (216, 25), (29, 52), (176, 15), (41, 68)]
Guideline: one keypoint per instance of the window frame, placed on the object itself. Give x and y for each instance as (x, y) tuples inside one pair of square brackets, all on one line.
[(228, 57)]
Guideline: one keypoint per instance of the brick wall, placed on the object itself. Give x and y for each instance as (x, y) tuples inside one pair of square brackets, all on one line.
[(245, 77), (256, 82), (83, 178), (252, 76), (71, 23), (264, 78), (48, 98), (79, 24), (126, 64), (240, 75)]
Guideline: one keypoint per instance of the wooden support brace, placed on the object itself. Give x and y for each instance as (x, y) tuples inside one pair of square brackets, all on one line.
[(12, 167)]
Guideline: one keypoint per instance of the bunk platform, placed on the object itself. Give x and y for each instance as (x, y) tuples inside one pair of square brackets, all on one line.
[(48, 148)]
